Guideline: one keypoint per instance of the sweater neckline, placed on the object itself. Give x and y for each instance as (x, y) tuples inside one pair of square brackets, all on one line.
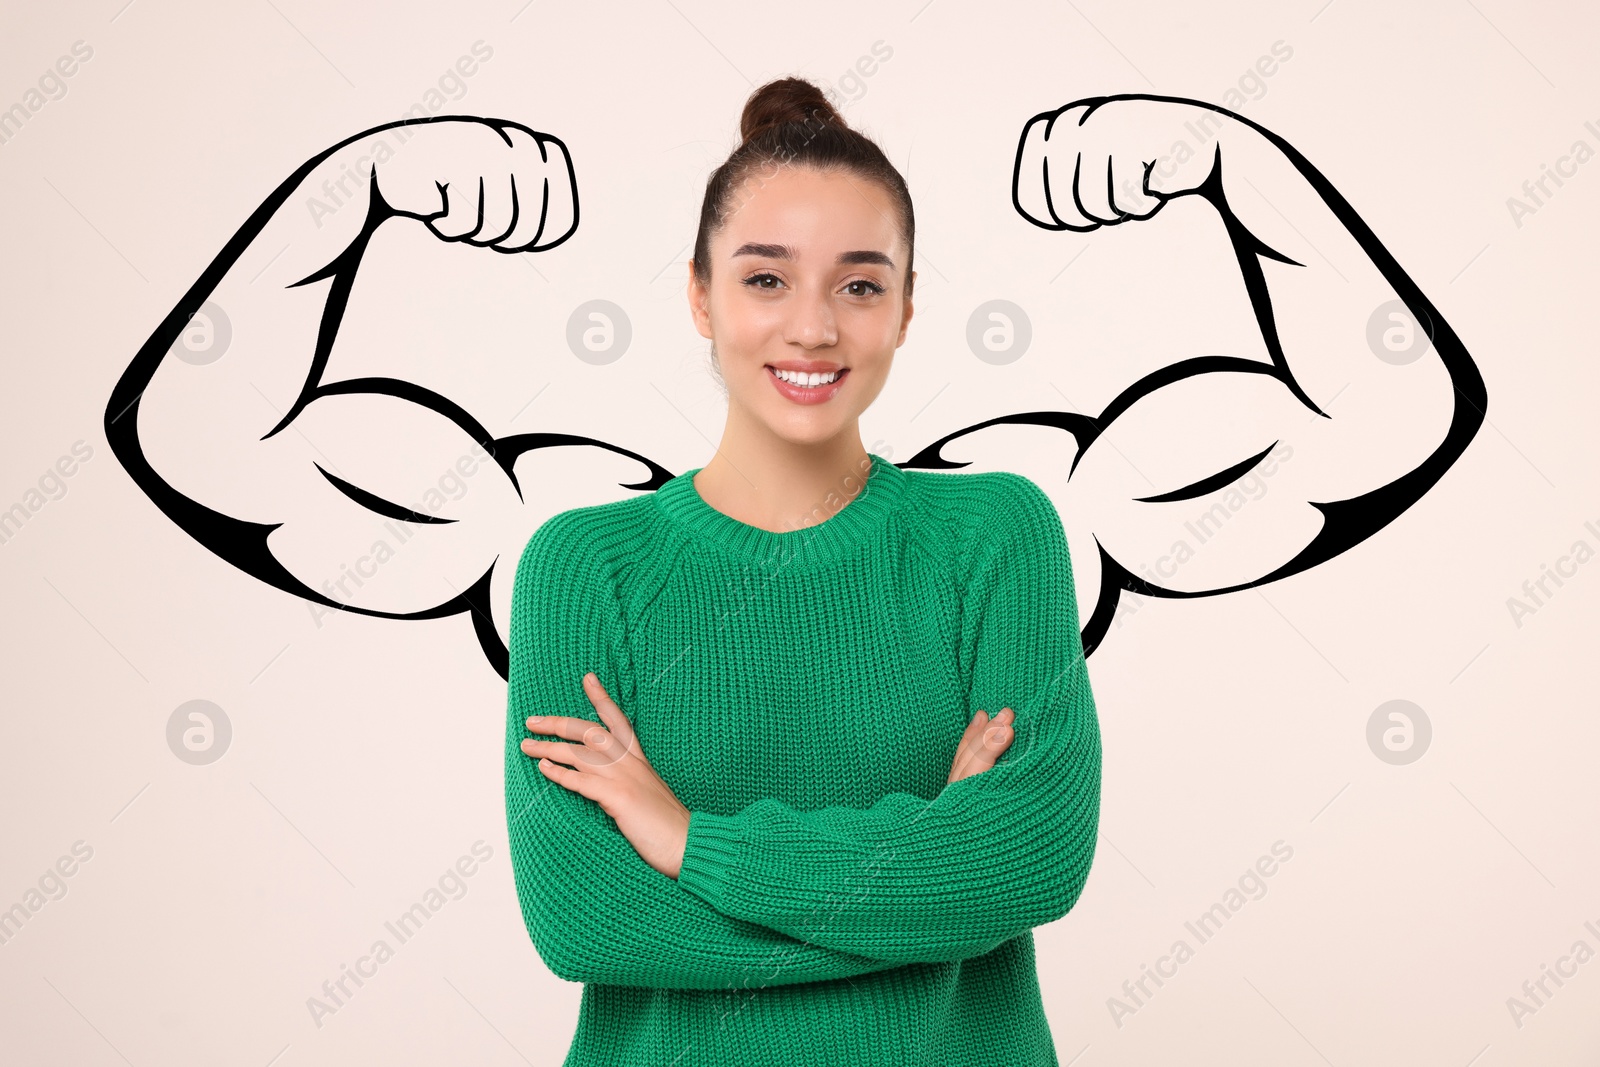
[(842, 533)]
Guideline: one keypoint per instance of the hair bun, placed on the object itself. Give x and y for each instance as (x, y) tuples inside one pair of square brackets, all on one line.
[(782, 101)]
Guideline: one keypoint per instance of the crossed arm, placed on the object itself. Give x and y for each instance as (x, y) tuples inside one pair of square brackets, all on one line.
[(772, 895)]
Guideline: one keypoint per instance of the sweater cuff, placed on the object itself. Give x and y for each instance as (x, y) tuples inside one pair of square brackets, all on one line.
[(709, 855)]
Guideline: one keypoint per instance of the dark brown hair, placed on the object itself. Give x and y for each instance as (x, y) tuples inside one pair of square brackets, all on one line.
[(790, 121)]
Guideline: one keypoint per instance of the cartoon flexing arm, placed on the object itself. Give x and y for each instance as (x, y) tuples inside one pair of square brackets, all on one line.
[(1159, 471), (310, 484)]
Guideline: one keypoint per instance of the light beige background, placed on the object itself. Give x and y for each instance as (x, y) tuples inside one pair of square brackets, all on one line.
[(366, 753)]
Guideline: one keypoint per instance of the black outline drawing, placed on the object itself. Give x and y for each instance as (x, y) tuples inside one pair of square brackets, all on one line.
[(1346, 522)]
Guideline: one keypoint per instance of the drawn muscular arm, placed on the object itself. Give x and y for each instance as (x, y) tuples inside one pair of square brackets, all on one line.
[(1349, 434), (294, 478)]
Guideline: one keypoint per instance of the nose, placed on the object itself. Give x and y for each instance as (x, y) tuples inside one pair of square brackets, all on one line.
[(811, 322)]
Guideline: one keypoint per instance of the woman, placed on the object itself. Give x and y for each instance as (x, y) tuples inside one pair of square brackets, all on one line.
[(791, 835)]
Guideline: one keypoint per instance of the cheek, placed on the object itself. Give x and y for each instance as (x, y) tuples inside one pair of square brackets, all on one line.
[(743, 326), (740, 339), (879, 329)]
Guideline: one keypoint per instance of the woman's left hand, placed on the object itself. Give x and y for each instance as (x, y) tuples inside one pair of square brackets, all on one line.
[(608, 766)]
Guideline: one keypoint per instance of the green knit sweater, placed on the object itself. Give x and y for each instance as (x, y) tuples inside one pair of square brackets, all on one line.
[(802, 693)]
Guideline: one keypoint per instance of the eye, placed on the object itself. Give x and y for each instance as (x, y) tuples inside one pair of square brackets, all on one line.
[(873, 288), (755, 280)]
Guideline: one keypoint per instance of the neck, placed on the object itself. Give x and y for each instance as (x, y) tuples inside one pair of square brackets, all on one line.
[(779, 485)]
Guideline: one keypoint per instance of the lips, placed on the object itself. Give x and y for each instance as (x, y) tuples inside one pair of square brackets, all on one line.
[(803, 394)]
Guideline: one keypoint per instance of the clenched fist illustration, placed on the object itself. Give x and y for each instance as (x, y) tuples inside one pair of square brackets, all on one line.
[(483, 181)]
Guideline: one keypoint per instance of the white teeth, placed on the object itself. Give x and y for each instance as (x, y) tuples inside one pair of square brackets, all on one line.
[(808, 381)]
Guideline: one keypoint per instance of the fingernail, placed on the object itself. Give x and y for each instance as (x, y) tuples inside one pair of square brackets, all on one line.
[(535, 718)]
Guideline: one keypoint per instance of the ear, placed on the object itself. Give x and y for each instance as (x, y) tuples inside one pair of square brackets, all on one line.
[(698, 303), (905, 315)]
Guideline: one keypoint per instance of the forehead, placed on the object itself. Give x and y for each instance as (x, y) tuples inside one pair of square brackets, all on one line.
[(825, 211)]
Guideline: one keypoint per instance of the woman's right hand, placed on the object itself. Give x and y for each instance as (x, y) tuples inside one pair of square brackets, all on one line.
[(984, 742)]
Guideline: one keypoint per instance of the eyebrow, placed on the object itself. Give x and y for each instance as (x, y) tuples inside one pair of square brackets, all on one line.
[(751, 248)]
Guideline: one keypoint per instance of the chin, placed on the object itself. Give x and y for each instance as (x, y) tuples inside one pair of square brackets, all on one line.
[(804, 428)]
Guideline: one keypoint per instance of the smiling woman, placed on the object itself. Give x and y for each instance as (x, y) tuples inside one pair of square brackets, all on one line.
[(802, 280), (831, 853)]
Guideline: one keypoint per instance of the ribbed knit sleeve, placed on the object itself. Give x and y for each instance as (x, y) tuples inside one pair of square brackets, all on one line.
[(594, 909), (991, 856)]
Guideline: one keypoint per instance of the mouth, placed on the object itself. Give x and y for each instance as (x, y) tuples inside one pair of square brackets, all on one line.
[(807, 388), (808, 379)]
